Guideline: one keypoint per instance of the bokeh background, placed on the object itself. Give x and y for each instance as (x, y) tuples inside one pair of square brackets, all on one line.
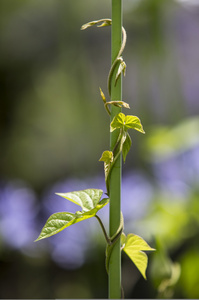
[(53, 129)]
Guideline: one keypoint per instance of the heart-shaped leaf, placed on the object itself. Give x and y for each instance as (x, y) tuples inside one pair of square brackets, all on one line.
[(133, 246), (133, 122), (61, 220), (126, 122), (87, 199), (117, 122)]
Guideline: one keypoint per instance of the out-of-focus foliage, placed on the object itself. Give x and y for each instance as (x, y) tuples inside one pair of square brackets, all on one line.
[(53, 129), (165, 142)]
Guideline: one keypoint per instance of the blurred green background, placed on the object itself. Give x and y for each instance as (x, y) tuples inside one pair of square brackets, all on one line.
[(53, 129)]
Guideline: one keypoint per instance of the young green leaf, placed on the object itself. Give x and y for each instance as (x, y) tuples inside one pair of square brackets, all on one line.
[(59, 221), (126, 146), (117, 122), (126, 122), (121, 69), (133, 122), (103, 96), (133, 246), (107, 158), (87, 199)]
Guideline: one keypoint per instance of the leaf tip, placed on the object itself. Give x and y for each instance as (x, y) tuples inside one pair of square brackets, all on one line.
[(38, 239), (142, 131), (102, 95), (59, 194)]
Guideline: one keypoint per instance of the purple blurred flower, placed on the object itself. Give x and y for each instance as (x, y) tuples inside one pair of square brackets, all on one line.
[(180, 173), (136, 195), (18, 210)]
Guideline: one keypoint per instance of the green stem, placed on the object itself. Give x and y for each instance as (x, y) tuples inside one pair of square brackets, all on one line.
[(115, 177)]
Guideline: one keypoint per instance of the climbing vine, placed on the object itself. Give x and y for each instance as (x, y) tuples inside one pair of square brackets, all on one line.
[(90, 199)]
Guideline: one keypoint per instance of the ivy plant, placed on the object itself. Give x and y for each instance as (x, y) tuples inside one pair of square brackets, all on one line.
[(89, 200)]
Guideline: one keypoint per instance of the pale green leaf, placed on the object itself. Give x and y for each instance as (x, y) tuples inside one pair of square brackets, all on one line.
[(59, 221), (133, 246), (126, 146), (117, 122), (126, 122), (107, 157), (87, 199), (56, 223), (133, 122), (91, 213)]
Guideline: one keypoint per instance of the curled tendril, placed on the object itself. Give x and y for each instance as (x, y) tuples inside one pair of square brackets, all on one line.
[(118, 59), (108, 22)]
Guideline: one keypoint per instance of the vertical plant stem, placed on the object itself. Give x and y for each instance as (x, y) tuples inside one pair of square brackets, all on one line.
[(115, 179)]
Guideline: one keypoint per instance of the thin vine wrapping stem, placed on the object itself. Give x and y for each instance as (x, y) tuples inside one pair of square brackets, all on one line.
[(115, 178)]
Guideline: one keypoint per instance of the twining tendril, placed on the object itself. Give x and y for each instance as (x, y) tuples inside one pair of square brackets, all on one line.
[(118, 59)]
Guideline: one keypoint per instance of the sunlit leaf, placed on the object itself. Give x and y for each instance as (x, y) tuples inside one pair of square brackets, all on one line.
[(126, 122), (107, 157), (117, 122), (133, 245), (87, 199), (59, 221), (133, 122)]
